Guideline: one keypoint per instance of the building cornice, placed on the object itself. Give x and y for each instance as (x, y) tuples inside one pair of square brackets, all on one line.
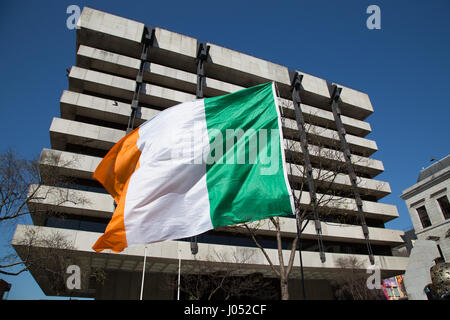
[(425, 184)]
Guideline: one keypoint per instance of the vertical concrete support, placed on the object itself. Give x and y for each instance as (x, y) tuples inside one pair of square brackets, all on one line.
[(335, 97), (202, 56), (417, 275), (296, 84), (147, 39)]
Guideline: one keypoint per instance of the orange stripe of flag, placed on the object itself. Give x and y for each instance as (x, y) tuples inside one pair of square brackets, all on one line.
[(114, 173)]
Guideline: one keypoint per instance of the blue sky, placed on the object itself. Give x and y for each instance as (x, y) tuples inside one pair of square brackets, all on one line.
[(404, 68)]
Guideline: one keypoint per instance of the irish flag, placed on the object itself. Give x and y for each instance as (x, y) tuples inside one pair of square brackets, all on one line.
[(197, 166)]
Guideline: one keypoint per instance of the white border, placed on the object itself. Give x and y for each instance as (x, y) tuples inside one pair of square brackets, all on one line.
[(283, 156)]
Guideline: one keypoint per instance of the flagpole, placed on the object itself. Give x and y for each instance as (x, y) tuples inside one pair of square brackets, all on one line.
[(143, 272), (179, 275)]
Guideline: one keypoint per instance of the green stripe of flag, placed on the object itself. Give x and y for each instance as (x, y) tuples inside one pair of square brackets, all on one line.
[(244, 171)]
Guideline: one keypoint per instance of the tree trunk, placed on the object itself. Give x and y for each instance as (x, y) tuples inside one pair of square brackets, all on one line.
[(284, 290)]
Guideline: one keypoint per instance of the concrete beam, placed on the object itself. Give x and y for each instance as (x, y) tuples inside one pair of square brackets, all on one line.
[(323, 157), (325, 118), (357, 102), (120, 65), (371, 209), (340, 181), (108, 62), (74, 103), (241, 69), (82, 79), (114, 33), (69, 164), (70, 201), (164, 257), (179, 51), (167, 253), (330, 231), (174, 49), (83, 166), (101, 205), (330, 138), (124, 66), (64, 131)]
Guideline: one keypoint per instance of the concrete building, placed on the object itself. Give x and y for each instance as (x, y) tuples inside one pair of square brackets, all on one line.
[(123, 65)]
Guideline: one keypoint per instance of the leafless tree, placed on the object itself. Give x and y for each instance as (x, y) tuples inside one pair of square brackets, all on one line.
[(32, 187), (351, 283), (47, 256), (25, 183), (281, 270), (205, 282), (328, 170), (16, 176)]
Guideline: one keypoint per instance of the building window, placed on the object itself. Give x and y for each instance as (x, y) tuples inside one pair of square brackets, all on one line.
[(445, 206), (423, 216)]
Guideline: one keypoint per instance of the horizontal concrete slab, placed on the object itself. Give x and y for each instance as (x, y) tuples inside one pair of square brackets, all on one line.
[(82, 79), (117, 34), (371, 209), (70, 201), (73, 104), (64, 131), (108, 62), (233, 66), (329, 138), (69, 164), (179, 51), (165, 253), (110, 24), (83, 166), (330, 232), (339, 181), (101, 205), (104, 84), (334, 159), (120, 65), (325, 118), (160, 260)]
